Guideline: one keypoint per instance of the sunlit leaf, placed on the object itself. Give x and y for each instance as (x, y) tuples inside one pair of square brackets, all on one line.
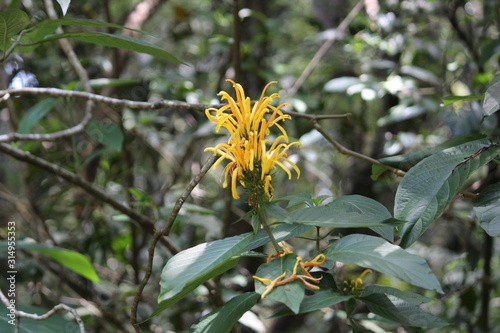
[(487, 209), (453, 99), (223, 319), (430, 185), (377, 254), (189, 268), (75, 261), (491, 102)]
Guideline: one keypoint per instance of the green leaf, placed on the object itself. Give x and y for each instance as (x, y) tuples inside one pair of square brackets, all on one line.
[(70, 259), (35, 113), (407, 161), (189, 268), (292, 293), (351, 211), (376, 253), (429, 186), (491, 102), (281, 233), (55, 323), (297, 199), (224, 318), (320, 299), (400, 311), (452, 99), (487, 209), (377, 171), (412, 298), (112, 40), (64, 5), (11, 23), (108, 134), (82, 22)]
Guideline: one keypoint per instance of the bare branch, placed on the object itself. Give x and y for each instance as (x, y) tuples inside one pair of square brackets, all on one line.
[(47, 315), (145, 222), (80, 127), (164, 231), (8, 93), (5, 94), (343, 150), (322, 50)]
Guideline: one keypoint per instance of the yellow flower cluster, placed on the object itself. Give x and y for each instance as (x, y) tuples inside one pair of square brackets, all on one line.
[(253, 157)]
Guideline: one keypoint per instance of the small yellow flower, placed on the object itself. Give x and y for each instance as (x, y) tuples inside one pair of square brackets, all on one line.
[(253, 157), (356, 286)]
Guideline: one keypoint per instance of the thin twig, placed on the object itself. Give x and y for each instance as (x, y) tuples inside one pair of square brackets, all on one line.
[(343, 150), (102, 99), (326, 45), (145, 222), (45, 316), (80, 127), (164, 232)]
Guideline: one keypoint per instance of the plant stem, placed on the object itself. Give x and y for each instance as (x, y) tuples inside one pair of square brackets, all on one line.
[(262, 219)]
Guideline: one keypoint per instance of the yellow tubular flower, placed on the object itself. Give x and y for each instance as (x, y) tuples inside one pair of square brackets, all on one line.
[(253, 157)]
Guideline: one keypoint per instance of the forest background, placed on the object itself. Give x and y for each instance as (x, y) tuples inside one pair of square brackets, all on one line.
[(93, 169)]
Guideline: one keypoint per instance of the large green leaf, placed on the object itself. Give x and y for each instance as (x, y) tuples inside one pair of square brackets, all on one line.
[(491, 102), (81, 22), (112, 40), (318, 300), (11, 23), (71, 259), (487, 209), (281, 233), (378, 254), (351, 211), (292, 293), (407, 161), (108, 134), (35, 113), (188, 269), (224, 318), (401, 311), (429, 186), (55, 323), (412, 298)]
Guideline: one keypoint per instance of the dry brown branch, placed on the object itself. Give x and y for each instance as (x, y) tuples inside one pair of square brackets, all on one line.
[(322, 50), (343, 150), (164, 231), (48, 314), (145, 222)]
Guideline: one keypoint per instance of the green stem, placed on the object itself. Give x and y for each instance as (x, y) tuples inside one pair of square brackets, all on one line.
[(262, 218)]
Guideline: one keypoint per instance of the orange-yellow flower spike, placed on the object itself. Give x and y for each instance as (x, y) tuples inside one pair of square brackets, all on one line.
[(253, 156)]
